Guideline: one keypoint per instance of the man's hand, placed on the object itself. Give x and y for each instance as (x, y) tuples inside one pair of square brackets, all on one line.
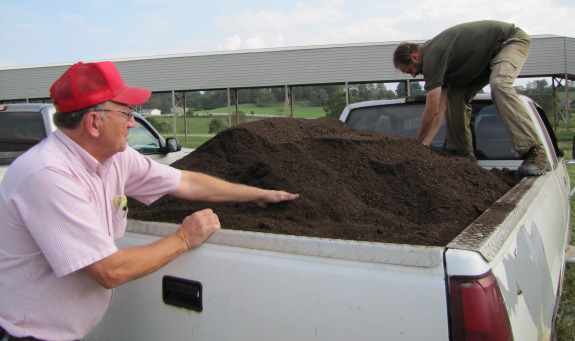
[(196, 228), (134, 262), (272, 197)]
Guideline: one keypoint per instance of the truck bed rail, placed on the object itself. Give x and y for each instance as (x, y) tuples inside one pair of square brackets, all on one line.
[(410, 255)]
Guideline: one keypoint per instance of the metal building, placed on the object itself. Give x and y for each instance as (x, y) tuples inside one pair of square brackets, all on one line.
[(551, 56)]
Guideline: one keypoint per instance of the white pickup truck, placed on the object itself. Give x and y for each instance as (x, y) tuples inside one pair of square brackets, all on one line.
[(500, 279), (24, 125)]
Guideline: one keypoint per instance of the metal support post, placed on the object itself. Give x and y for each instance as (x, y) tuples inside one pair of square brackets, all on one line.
[(567, 103), (236, 100), (288, 104), (229, 109), (185, 118), (346, 93), (553, 95), (174, 111)]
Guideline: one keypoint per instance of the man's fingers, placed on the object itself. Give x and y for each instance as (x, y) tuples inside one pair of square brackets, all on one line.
[(196, 228), (272, 197)]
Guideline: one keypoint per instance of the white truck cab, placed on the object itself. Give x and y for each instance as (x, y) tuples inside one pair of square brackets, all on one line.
[(23, 125)]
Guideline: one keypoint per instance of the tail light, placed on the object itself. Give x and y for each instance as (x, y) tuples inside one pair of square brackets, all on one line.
[(477, 309)]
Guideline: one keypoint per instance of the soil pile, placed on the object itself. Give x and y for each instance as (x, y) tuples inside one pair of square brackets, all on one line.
[(353, 185)]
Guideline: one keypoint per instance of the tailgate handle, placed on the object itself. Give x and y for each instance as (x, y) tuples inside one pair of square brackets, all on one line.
[(183, 293)]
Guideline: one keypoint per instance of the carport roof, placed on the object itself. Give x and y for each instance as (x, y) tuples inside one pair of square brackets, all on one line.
[(551, 56)]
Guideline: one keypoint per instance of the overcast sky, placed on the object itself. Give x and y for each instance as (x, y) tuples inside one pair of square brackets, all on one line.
[(39, 32)]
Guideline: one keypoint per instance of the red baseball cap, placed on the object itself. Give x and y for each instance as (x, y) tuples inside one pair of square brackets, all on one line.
[(86, 84)]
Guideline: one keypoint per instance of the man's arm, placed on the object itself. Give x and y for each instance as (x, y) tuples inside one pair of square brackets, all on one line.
[(201, 187), (433, 115), (132, 263)]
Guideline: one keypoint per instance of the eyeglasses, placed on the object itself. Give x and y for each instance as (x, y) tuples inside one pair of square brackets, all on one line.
[(128, 114)]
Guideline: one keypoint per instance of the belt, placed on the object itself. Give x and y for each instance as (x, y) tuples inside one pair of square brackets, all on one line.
[(515, 31), (4, 336)]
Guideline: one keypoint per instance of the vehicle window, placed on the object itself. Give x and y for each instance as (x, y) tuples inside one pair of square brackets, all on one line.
[(492, 140), (143, 140), (19, 131), (411, 123), (400, 120)]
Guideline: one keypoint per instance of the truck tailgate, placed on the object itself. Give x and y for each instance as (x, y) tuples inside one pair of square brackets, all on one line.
[(269, 287)]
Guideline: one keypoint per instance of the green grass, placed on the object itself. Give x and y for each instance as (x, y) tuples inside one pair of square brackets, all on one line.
[(565, 324), (200, 125), (192, 141), (565, 136), (299, 111)]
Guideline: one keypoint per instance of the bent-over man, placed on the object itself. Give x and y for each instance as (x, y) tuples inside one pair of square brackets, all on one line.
[(456, 65)]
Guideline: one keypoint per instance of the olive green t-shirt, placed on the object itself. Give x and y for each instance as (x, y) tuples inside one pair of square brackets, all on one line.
[(460, 55)]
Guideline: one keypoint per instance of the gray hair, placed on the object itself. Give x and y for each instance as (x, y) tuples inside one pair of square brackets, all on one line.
[(71, 120)]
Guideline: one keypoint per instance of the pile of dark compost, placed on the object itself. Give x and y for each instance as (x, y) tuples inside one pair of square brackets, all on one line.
[(353, 185)]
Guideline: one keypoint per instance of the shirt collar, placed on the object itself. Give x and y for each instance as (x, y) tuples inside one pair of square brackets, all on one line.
[(89, 162)]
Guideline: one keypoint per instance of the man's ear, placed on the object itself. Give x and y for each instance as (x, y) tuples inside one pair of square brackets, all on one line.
[(92, 123), (416, 57)]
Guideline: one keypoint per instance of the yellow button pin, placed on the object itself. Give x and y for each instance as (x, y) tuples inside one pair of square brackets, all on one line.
[(120, 202)]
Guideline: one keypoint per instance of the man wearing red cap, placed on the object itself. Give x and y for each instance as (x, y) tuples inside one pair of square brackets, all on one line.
[(62, 208)]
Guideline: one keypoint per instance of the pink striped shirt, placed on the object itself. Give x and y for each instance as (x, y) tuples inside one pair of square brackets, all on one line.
[(56, 217)]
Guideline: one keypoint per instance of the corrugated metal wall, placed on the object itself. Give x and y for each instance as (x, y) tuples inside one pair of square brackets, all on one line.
[(549, 56), (262, 69), (570, 55), (353, 63)]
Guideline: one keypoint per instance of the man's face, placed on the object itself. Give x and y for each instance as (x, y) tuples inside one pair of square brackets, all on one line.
[(414, 68), (118, 123)]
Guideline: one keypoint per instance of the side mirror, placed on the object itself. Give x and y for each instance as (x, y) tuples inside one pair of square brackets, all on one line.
[(173, 145), (573, 150)]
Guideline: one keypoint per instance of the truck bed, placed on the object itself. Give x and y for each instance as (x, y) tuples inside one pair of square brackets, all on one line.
[(243, 285), (268, 287), (259, 286)]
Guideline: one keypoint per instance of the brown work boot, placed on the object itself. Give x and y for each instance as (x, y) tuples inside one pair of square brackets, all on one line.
[(534, 162)]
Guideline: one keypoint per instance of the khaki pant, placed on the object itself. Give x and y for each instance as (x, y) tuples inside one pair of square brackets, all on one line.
[(505, 68)]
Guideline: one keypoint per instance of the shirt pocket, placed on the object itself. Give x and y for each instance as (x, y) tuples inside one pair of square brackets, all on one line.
[(512, 56), (119, 217)]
